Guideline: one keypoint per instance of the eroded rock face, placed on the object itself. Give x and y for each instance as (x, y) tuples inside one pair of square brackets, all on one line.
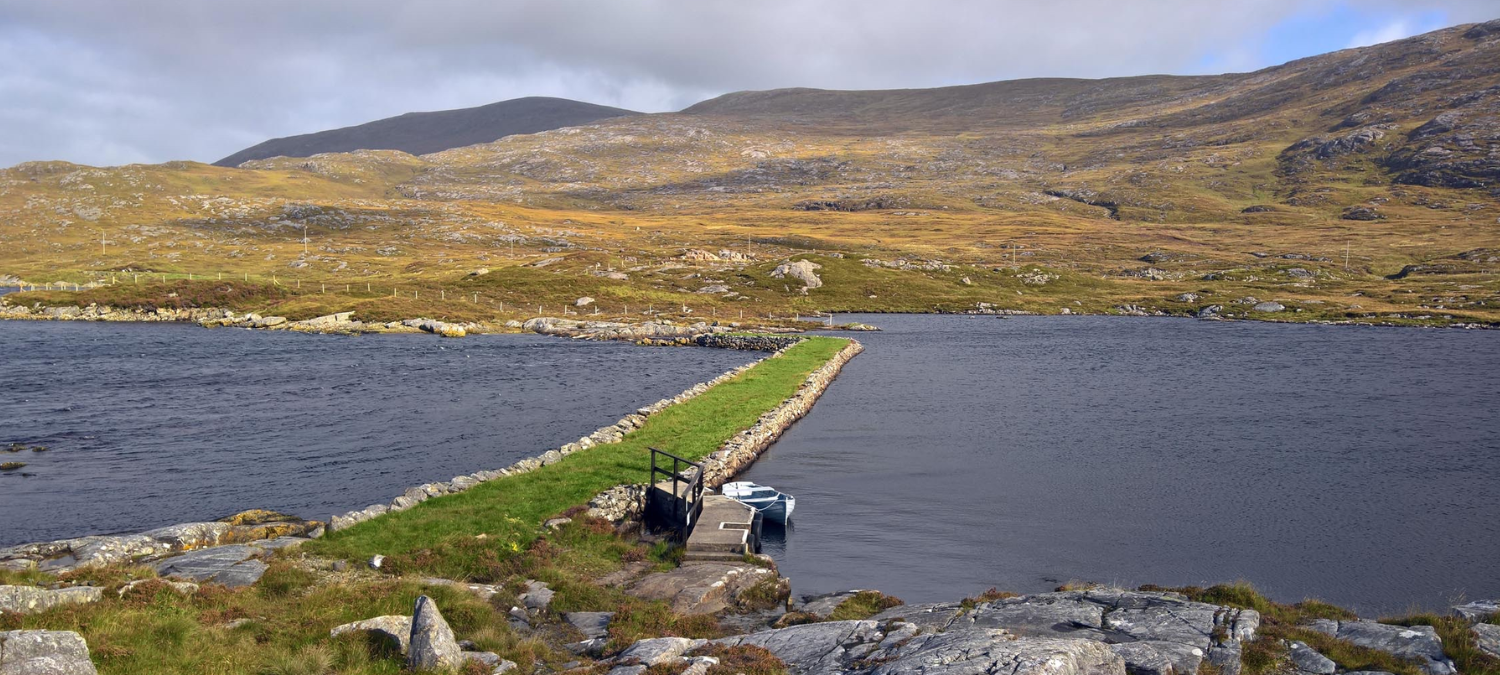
[(44, 652), (1414, 642)]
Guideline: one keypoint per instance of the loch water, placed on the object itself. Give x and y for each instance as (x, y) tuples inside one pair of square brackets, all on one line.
[(1356, 465), (156, 424)]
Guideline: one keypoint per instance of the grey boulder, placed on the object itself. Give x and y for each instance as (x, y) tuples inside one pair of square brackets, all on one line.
[(432, 645), (1308, 660), (593, 625), (44, 652)]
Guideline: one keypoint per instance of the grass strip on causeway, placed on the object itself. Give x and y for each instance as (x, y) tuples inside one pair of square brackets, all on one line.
[(472, 534)]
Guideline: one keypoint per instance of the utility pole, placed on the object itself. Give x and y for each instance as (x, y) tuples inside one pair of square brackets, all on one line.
[(1346, 256), (101, 242), (304, 240)]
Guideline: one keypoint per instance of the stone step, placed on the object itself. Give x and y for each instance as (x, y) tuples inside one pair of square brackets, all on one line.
[(712, 556)]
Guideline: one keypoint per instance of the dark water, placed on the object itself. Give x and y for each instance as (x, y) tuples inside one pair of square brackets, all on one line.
[(151, 425), (1357, 465)]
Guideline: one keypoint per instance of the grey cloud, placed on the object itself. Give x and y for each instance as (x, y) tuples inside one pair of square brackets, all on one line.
[(103, 81)]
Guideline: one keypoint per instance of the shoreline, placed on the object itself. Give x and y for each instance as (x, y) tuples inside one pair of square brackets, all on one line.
[(343, 323)]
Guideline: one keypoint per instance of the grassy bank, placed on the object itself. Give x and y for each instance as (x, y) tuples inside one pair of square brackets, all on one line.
[(473, 534)]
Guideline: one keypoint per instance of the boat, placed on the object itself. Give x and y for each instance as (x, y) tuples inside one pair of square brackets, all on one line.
[(767, 501)]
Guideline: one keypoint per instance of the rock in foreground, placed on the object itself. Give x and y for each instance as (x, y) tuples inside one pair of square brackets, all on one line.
[(44, 652)]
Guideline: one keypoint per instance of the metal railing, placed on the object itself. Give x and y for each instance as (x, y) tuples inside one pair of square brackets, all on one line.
[(675, 511)]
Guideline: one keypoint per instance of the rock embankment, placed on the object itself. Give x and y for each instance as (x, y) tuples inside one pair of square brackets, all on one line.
[(758, 343), (615, 330)]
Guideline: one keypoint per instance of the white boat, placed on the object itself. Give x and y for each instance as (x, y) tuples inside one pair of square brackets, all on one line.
[(770, 502)]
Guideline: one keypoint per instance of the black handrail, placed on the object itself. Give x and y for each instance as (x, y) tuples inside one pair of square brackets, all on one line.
[(685, 505)]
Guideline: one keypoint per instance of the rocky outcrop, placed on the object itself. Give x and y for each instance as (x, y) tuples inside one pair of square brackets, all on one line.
[(804, 271), (31, 599), (235, 566), (44, 652), (247, 527), (707, 587), (1091, 632), (1420, 643)]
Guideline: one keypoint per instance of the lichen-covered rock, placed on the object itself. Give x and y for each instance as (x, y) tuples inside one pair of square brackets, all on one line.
[(432, 645), (44, 652), (1414, 642), (31, 599)]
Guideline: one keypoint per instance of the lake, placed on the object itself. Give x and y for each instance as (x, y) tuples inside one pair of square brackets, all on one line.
[(1357, 465), (156, 424)]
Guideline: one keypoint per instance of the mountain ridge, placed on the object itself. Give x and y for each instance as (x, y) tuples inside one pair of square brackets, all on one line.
[(421, 133)]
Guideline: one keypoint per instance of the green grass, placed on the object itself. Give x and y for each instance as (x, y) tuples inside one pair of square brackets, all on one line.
[(863, 605), (473, 534)]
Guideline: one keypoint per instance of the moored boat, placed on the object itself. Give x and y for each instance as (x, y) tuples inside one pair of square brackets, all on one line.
[(769, 502)]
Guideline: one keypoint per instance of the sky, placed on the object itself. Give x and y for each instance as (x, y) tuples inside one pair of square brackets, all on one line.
[(107, 82)]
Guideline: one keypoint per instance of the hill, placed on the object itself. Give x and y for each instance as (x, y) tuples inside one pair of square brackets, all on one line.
[(1360, 185), (424, 132)]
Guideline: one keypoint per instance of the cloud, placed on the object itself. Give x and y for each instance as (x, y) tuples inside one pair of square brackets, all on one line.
[(103, 81)]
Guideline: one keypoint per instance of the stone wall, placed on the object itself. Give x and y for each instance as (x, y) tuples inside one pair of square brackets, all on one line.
[(758, 343), (742, 450)]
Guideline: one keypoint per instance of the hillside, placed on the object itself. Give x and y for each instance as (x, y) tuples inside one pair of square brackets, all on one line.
[(423, 132), (1361, 185)]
